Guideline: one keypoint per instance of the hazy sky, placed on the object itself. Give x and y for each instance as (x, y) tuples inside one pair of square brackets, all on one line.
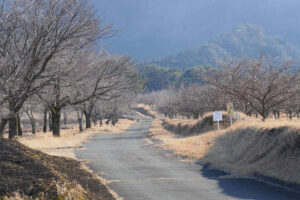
[(151, 29)]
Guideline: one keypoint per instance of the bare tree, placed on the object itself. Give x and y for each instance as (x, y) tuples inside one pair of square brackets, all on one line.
[(85, 77), (79, 113), (34, 34), (258, 84), (44, 113), (197, 99), (165, 102), (87, 109), (30, 108)]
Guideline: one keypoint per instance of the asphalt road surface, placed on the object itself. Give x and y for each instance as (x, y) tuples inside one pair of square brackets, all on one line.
[(137, 170)]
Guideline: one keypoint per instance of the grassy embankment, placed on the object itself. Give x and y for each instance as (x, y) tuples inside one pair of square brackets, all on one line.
[(31, 174), (270, 148)]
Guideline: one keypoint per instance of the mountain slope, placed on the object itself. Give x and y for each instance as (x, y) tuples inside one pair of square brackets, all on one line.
[(245, 40), (150, 29)]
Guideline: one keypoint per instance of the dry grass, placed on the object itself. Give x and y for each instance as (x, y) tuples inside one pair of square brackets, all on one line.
[(64, 192), (15, 196), (70, 138), (31, 174), (193, 147), (271, 148)]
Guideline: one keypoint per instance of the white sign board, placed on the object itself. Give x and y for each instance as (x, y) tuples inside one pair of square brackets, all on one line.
[(217, 116), (237, 115)]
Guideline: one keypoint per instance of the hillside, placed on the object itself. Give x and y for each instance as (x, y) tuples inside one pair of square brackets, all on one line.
[(156, 77), (244, 40)]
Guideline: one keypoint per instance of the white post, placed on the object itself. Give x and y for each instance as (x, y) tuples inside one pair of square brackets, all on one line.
[(218, 125), (230, 120)]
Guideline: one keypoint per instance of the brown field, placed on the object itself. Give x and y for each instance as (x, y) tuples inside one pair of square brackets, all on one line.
[(270, 148), (70, 138)]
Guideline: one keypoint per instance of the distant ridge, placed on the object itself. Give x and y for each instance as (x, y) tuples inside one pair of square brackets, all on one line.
[(245, 40)]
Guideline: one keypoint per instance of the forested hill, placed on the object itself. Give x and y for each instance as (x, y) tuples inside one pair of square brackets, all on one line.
[(151, 29), (244, 40)]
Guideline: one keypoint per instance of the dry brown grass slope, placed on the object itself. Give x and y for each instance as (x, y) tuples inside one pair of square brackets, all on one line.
[(270, 148), (30, 174), (273, 152), (195, 127)]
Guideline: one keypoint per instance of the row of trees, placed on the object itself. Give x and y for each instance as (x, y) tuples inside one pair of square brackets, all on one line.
[(48, 57), (261, 86), (36, 113)]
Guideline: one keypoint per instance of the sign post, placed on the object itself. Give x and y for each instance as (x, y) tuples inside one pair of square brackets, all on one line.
[(230, 111), (217, 117)]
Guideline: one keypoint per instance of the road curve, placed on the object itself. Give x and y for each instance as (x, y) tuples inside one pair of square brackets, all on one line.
[(137, 170)]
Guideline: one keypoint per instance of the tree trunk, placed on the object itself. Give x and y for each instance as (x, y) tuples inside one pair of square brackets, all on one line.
[(113, 120), (65, 118), (45, 120), (32, 121), (20, 132), (264, 116), (275, 114), (114, 117), (79, 119), (88, 123), (196, 115), (2, 126), (95, 119), (50, 121), (101, 120), (55, 119), (12, 124), (108, 120), (290, 114), (80, 124)]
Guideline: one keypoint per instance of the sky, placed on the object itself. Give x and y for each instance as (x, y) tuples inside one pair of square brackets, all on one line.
[(151, 29)]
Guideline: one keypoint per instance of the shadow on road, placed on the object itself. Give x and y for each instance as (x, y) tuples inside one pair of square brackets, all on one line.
[(247, 188)]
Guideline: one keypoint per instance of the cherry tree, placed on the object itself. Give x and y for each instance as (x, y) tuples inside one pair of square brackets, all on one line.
[(33, 33), (259, 84), (85, 77)]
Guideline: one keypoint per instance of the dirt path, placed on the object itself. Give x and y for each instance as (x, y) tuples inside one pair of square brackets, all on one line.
[(137, 170)]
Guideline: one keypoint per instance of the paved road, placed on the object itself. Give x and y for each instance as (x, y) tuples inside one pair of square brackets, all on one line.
[(137, 170)]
